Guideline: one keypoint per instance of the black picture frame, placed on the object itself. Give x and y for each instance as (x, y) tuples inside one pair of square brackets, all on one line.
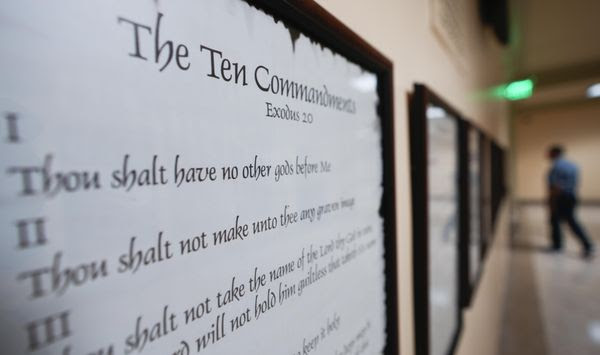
[(310, 19), (492, 191), (420, 99), (486, 195), (498, 180), (470, 273)]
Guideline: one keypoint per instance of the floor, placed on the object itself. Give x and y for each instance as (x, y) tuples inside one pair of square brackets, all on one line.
[(553, 300)]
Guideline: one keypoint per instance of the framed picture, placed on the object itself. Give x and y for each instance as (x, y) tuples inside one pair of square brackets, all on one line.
[(498, 176), (471, 185), (191, 177), (435, 131), (487, 231)]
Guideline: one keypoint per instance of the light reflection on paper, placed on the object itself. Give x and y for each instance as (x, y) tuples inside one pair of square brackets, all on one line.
[(365, 83), (439, 297), (434, 112), (594, 331)]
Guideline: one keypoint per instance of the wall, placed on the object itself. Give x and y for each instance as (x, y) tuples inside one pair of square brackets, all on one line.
[(577, 127), (402, 31)]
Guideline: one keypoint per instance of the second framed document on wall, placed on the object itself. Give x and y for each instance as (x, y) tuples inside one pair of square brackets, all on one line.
[(434, 131)]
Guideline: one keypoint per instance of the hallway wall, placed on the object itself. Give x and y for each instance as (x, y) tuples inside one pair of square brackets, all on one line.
[(402, 30), (577, 127), (485, 316)]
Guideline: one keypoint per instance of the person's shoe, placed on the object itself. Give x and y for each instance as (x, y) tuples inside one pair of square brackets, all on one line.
[(588, 254), (553, 250)]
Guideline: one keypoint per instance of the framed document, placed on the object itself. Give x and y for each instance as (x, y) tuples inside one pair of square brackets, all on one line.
[(435, 147), (498, 183), (184, 177), (486, 193), (471, 185)]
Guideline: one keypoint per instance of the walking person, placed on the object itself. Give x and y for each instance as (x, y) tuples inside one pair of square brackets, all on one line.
[(562, 185)]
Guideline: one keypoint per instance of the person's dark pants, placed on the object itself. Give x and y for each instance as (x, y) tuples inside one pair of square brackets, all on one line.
[(564, 210)]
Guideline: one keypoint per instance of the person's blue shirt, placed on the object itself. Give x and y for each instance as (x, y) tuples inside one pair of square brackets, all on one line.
[(564, 175)]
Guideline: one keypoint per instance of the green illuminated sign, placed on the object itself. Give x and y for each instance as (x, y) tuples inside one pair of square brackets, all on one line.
[(516, 90)]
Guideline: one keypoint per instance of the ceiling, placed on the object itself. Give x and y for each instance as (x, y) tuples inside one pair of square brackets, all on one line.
[(557, 42)]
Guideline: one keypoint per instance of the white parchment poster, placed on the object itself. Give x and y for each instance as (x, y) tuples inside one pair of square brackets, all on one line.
[(183, 177)]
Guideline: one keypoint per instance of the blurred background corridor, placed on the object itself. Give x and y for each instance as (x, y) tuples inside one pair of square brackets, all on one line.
[(552, 303)]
